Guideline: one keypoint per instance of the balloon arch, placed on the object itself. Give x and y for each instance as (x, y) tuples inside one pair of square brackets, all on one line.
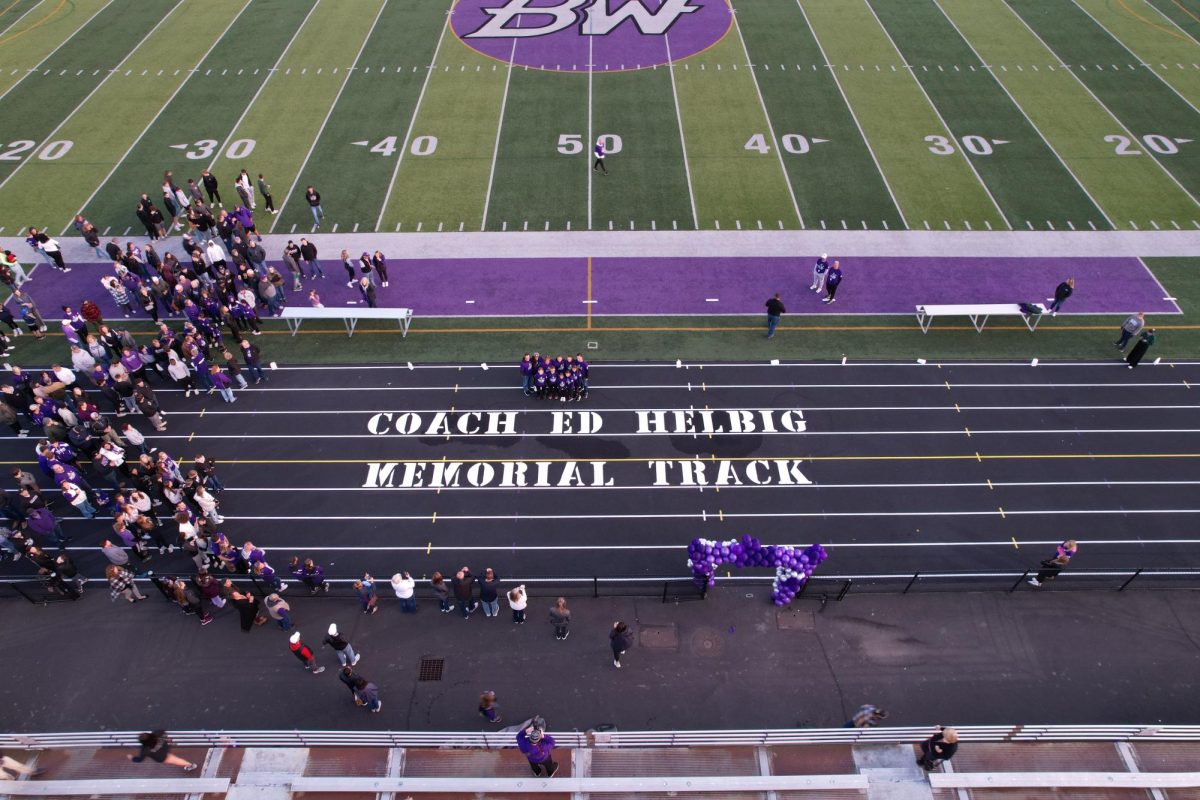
[(792, 566)]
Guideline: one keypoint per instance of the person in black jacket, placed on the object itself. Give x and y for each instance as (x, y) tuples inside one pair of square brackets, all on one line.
[(210, 186), (939, 747), (620, 640), (154, 746), (1064, 290), (775, 310)]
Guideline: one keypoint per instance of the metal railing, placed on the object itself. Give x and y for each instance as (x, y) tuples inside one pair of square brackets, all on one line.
[(490, 740)]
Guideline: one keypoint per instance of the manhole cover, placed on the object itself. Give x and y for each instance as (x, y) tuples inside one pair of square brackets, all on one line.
[(707, 642), (431, 669), (662, 637)]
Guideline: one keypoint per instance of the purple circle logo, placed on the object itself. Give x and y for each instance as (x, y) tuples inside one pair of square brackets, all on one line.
[(590, 35)]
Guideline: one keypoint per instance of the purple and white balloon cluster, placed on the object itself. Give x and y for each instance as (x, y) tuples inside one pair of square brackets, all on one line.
[(792, 566)]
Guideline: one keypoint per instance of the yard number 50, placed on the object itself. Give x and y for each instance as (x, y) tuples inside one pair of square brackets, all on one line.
[(571, 144)]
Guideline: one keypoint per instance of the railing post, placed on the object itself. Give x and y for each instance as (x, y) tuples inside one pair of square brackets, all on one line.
[(1126, 583), (910, 583), (845, 588), (664, 597), (595, 586), (1019, 580)]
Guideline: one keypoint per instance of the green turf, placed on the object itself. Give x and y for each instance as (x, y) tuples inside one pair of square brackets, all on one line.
[(286, 117), (1138, 98), (835, 181), (40, 102), (533, 182), (27, 42), (934, 191), (206, 107), (446, 189), (1178, 11), (1134, 190), (59, 188), (1154, 39), (649, 184), (1010, 156), (11, 17), (721, 112), (376, 103)]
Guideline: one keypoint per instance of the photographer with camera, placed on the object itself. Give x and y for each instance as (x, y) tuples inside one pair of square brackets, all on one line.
[(538, 747)]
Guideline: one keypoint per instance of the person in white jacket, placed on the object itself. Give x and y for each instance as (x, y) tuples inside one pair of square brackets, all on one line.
[(245, 189), (208, 504), (405, 587), (517, 602)]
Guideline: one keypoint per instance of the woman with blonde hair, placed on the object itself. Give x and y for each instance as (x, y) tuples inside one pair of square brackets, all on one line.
[(1052, 566), (517, 602), (939, 747), (560, 618)]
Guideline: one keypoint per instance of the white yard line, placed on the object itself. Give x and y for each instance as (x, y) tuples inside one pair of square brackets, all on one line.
[(1046, 141), (64, 43), (787, 181), (328, 113), (1153, 156), (487, 198), (850, 108), (687, 170), (96, 88), (1165, 293), (1141, 60), (938, 113), (263, 85), (587, 146), (157, 114), (17, 21), (413, 121), (1170, 21)]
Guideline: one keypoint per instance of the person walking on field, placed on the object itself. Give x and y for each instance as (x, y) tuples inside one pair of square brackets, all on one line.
[(1064, 290), (210, 187), (314, 205), (775, 311), (598, 164), (156, 747), (560, 618), (620, 640), (1144, 341), (832, 281), (1052, 566), (1130, 328), (304, 653), (939, 747)]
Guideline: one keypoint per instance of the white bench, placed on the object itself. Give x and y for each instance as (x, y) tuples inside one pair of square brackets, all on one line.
[(978, 314), (124, 787), (349, 316), (1064, 780), (571, 784)]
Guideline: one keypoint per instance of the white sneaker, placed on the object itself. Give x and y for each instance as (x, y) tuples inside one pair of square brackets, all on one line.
[(283, 586), (378, 708), (616, 664), (1034, 582), (357, 656)]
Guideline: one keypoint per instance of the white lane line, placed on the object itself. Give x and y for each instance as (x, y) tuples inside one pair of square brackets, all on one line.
[(671, 409), (1155, 157), (270, 74), (687, 170), (787, 181), (1007, 543), (946, 127), (487, 198), (157, 114), (50, 136), (413, 120), (64, 43), (1045, 141), (637, 434), (708, 387), (328, 113), (853, 116)]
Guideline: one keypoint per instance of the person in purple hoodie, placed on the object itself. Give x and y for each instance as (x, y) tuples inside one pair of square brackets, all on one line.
[(246, 217), (223, 383), (527, 374), (310, 574), (538, 747)]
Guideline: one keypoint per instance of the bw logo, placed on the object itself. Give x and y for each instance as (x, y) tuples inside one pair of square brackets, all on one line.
[(520, 19)]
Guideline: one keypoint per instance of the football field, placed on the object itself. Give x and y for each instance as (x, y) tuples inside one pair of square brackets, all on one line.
[(433, 115)]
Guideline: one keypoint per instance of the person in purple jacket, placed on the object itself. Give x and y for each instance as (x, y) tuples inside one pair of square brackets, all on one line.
[(246, 217), (310, 574), (223, 383), (538, 747), (527, 374)]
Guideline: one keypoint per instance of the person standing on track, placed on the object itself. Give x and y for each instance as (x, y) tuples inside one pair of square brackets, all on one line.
[(488, 592), (1052, 566), (1144, 341), (464, 583), (341, 645), (775, 310), (1064, 290), (832, 281), (598, 164), (489, 709), (1130, 328), (405, 588)]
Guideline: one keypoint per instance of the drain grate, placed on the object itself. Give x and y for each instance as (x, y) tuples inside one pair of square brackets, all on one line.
[(431, 669)]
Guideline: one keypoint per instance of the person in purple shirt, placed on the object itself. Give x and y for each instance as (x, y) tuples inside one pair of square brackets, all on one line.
[(223, 383), (538, 747), (246, 217), (310, 574), (527, 374)]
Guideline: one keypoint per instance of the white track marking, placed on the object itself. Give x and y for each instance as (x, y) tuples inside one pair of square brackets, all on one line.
[(115, 70), (270, 73), (687, 170), (487, 198), (1037, 130), (941, 119), (787, 181), (64, 43), (413, 120), (157, 114), (329, 113), (853, 116), (1153, 156)]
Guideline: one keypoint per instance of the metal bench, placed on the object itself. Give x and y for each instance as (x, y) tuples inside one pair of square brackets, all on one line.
[(978, 313), (349, 316)]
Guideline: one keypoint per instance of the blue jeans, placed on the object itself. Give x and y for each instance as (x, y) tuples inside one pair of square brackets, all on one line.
[(204, 379), (772, 321), (317, 213), (284, 621), (491, 607), (408, 605), (527, 382), (86, 509), (1124, 340), (256, 372), (444, 603), (467, 607), (227, 394), (314, 268), (346, 656)]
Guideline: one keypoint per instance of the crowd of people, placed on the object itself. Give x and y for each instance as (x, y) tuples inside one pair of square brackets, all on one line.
[(564, 379)]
